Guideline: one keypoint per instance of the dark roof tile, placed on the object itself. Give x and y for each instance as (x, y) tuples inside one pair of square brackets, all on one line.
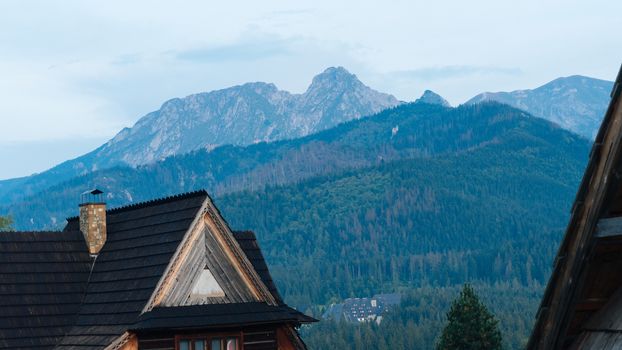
[(130, 265), (218, 315), (248, 243), (54, 295), (43, 278)]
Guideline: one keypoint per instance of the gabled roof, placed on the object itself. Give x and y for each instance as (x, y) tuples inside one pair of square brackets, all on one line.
[(142, 238), (43, 279), (586, 273), (53, 294)]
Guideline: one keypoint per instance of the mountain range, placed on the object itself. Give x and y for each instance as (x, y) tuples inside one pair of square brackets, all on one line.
[(417, 195), (259, 112), (420, 195), (576, 103), (239, 115)]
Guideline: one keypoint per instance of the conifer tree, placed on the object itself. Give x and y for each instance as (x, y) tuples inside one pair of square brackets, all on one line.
[(6, 223), (470, 325)]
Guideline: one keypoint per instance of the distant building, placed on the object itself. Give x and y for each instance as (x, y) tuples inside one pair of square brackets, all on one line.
[(168, 274), (362, 309)]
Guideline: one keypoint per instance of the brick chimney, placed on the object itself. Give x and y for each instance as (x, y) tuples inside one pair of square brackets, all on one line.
[(93, 220)]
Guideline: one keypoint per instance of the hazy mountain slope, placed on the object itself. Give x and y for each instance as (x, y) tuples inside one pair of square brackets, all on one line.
[(433, 98), (244, 115), (576, 103), (412, 131), (240, 115)]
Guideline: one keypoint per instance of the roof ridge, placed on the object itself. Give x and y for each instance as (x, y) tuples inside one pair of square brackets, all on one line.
[(151, 202)]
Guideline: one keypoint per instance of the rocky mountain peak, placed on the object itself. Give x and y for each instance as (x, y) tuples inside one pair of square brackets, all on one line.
[(335, 78), (576, 103), (239, 115), (259, 87), (431, 97)]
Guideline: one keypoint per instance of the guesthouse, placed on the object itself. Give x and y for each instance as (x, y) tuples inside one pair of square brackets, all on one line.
[(164, 274)]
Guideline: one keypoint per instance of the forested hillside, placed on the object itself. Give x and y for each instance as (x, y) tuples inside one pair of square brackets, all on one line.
[(493, 214), (414, 131), (419, 319), (419, 196)]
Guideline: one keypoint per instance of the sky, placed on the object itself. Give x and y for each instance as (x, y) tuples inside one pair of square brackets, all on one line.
[(74, 73)]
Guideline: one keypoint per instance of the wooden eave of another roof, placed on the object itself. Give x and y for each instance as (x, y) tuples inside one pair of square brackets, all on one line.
[(557, 307)]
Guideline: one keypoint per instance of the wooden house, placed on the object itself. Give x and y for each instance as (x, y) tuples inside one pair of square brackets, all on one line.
[(165, 274), (582, 304)]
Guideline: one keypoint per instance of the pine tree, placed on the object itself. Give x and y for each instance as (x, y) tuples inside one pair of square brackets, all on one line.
[(6, 223), (470, 325)]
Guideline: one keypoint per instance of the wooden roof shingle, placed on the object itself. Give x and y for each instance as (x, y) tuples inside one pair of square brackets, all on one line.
[(54, 295), (43, 279), (250, 246), (141, 240)]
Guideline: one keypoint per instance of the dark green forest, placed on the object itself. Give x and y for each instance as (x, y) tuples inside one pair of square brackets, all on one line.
[(417, 322), (493, 216), (418, 222), (418, 200), (410, 131)]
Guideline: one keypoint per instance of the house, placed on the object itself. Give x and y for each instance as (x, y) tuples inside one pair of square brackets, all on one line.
[(163, 274), (362, 309), (582, 305)]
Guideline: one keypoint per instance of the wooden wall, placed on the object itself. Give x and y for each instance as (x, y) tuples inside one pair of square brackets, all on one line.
[(206, 251), (604, 330), (254, 338)]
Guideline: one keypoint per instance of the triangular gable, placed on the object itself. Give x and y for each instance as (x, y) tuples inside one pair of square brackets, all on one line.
[(210, 246), (142, 239)]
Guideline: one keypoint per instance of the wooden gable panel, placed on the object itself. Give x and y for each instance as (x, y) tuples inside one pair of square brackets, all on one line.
[(210, 244), (206, 252)]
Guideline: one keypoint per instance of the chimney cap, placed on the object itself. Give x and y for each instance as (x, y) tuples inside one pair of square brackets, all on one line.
[(91, 196), (94, 191)]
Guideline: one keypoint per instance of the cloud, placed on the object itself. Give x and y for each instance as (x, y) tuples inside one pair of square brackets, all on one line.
[(59, 83), (249, 49), (127, 59), (456, 71)]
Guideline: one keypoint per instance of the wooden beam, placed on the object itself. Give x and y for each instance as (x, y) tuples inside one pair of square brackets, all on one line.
[(609, 227), (590, 304)]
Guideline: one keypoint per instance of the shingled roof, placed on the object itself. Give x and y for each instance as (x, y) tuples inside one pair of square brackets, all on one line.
[(43, 279), (141, 241), (54, 295), (248, 243)]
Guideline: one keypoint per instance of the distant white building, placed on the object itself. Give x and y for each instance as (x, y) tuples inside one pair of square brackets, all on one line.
[(362, 309)]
